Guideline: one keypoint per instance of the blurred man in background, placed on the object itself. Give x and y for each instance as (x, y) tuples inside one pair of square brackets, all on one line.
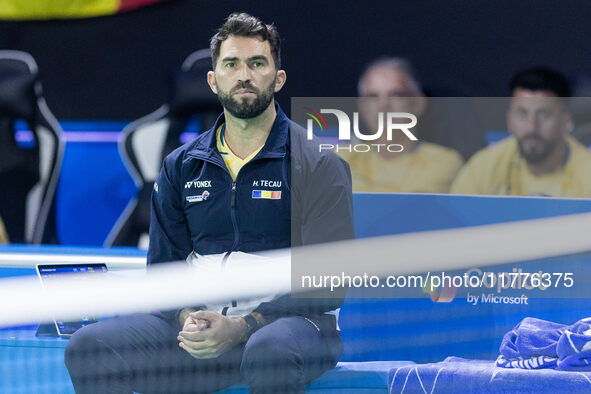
[(539, 158), (390, 85)]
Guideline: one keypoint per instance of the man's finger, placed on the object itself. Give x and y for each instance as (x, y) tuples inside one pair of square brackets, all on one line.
[(195, 325), (206, 315), (200, 354), (195, 335), (195, 345)]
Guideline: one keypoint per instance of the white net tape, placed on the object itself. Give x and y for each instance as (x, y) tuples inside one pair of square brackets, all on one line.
[(24, 300)]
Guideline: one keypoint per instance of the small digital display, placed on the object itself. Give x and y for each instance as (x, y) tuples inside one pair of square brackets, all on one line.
[(48, 271)]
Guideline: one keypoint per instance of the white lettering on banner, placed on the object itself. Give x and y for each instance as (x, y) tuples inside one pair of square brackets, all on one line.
[(492, 298)]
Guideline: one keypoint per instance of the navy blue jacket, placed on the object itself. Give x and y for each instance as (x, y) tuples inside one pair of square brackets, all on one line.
[(197, 206)]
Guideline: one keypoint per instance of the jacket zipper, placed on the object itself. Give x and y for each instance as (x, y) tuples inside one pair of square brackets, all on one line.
[(233, 216)]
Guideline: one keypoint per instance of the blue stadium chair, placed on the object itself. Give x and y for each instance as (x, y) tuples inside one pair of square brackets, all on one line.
[(145, 142)]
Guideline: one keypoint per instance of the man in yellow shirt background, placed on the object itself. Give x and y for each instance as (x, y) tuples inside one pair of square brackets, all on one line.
[(391, 86), (539, 158)]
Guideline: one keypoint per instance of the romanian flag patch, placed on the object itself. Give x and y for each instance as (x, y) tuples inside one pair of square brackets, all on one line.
[(266, 194)]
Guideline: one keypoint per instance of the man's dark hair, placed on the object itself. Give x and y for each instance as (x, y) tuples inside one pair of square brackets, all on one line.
[(245, 25), (541, 78)]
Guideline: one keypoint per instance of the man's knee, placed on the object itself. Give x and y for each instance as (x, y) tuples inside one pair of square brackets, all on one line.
[(270, 342), (98, 347), (269, 351), (82, 347)]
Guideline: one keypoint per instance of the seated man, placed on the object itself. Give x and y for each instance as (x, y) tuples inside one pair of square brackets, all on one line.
[(539, 158), (209, 200), (419, 166)]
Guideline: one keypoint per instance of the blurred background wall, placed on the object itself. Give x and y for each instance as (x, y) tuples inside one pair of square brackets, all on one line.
[(116, 66)]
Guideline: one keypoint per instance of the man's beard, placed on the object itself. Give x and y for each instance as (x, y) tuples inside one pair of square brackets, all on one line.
[(539, 156), (242, 108)]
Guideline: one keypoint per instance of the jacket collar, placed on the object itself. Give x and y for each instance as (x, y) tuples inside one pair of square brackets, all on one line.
[(275, 146)]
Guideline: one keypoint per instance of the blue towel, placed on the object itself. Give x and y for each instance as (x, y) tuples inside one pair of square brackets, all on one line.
[(536, 344), (574, 347), (456, 375)]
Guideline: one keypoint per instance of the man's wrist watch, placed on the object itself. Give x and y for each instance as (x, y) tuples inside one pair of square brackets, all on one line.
[(252, 325)]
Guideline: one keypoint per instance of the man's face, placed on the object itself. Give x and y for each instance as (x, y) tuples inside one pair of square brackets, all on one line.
[(245, 77), (389, 90), (539, 121)]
